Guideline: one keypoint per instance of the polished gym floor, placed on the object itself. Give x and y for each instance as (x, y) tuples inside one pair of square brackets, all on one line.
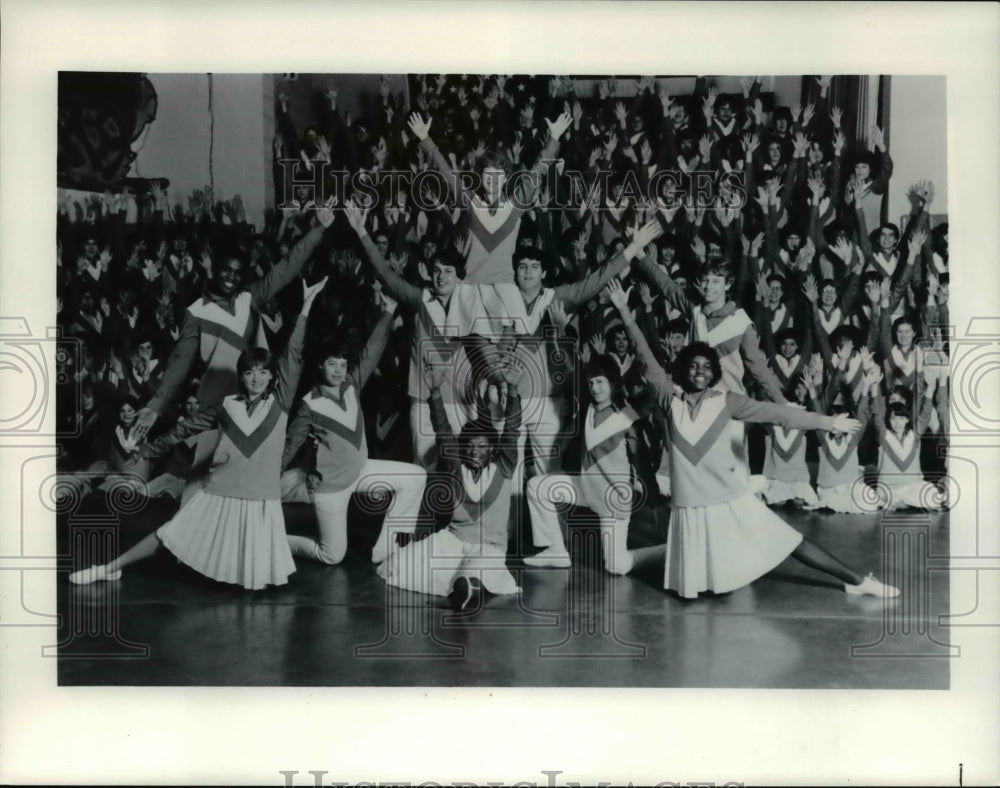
[(165, 625)]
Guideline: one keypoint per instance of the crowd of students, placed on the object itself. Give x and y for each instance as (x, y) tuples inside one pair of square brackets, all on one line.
[(596, 300)]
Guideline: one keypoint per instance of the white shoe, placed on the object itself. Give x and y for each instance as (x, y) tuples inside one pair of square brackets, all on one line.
[(872, 587), (92, 575), (550, 556)]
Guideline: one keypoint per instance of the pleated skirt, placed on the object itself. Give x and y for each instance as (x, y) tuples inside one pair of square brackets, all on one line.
[(724, 546), (231, 540)]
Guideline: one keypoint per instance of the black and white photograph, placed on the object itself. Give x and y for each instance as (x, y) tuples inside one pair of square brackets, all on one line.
[(522, 386)]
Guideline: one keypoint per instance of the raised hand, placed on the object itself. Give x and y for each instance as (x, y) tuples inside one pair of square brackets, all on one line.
[(610, 145), (839, 140), (843, 249), (801, 145), (817, 187), (836, 114), (806, 254), (558, 127), (435, 374), (810, 289), (774, 185), (796, 112), (597, 343), (665, 101), (758, 112), (644, 236), (618, 296), (756, 244), (746, 83), (558, 314), (750, 144), (355, 217), (705, 147), (621, 114), (922, 190), (419, 126), (878, 138), (824, 83), (646, 294), (646, 152), (807, 114), (916, 243)]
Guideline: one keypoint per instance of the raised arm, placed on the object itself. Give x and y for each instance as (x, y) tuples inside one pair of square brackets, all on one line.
[(174, 376), (791, 416), (527, 187), (375, 345), (409, 295), (204, 419), (756, 364), (421, 130), (290, 363), (284, 272), (656, 376)]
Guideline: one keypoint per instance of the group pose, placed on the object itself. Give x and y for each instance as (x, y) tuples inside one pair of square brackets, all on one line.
[(619, 298)]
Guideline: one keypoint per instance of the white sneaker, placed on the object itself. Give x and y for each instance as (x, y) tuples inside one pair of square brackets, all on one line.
[(872, 587), (550, 556), (92, 575)]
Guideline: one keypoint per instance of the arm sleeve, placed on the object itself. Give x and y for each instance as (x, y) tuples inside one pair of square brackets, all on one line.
[(398, 288), (446, 441), (284, 272), (672, 292), (455, 187), (373, 348), (290, 365), (756, 363), (656, 376), (204, 419), (298, 432), (746, 409), (580, 292), (178, 365), (528, 187)]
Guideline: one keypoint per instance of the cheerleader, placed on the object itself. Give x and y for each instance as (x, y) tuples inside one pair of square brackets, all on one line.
[(332, 414), (233, 530), (901, 481), (468, 556), (785, 465), (494, 302), (721, 537)]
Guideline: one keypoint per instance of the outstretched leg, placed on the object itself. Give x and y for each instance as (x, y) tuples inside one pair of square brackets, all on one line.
[(149, 546), (816, 557)]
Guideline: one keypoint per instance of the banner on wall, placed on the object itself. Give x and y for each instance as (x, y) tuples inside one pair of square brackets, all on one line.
[(100, 116)]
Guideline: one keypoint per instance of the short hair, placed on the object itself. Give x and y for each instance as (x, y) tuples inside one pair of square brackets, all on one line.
[(493, 159), (872, 276), (829, 283), (480, 427), (776, 278), (787, 333), (717, 266), (904, 320), (899, 409), (678, 326), (889, 226), (842, 335), (257, 357), (338, 347), (688, 353), (450, 256), (603, 366)]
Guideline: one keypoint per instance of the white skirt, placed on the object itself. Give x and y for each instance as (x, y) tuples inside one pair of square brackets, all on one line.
[(431, 565), (920, 495), (724, 546), (778, 492), (231, 540), (845, 498)]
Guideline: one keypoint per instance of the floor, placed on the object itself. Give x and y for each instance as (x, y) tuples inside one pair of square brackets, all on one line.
[(342, 626)]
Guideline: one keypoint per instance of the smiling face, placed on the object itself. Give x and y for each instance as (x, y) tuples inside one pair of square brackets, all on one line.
[(477, 452), (904, 335), (144, 350), (789, 347), (715, 287), (333, 371), (600, 389), (493, 181), (190, 406), (898, 423), (828, 295), (863, 170), (256, 380), (620, 343), (887, 239), (90, 249), (126, 415), (528, 275), (815, 153), (699, 373), (229, 278), (444, 278), (676, 341)]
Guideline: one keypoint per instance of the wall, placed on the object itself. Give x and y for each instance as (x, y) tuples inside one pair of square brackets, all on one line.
[(918, 140), (179, 141)]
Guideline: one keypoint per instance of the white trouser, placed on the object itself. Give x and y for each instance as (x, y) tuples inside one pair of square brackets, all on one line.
[(406, 481), (540, 429), (547, 493)]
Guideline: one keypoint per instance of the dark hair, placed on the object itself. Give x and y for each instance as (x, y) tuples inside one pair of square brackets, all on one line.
[(717, 266), (688, 353), (787, 333), (480, 427), (899, 409), (789, 392), (493, 159), (842, 334), (904, 320), (257, 357), (872, 276), (448, 255), (603, 366), (776, 278), (337, 347), (677, 326), (901, 391), (782, 113)]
